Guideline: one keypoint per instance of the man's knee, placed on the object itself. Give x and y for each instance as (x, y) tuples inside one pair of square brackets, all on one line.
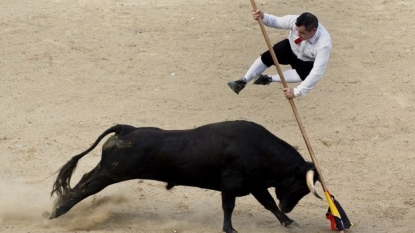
[(267, 59)]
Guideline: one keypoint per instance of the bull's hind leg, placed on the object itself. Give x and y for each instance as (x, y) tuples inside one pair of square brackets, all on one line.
[(91, 183), (228, 204), (265, 198)]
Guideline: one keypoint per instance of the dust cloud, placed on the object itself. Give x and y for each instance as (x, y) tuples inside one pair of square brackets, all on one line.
[(30, 203), (20, 201), (127, 205)]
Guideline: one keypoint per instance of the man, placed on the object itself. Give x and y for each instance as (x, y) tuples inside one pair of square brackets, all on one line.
[(306, 49)]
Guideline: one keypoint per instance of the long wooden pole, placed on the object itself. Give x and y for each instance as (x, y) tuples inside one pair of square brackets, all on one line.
[(332, 206), (294, 108)]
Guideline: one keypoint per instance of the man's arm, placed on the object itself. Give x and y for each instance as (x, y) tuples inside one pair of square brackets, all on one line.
[(320, 64), (284, 22)]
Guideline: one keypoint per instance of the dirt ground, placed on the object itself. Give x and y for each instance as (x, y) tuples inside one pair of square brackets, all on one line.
[(71, 69)]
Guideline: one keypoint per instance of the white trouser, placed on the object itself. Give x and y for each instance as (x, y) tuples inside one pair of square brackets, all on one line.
[(258, 67)]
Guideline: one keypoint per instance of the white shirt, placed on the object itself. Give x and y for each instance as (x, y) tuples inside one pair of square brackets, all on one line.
[(315, 49)]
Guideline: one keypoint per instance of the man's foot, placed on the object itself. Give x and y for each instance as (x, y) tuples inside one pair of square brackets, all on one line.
[(261, 79), (237, 85)]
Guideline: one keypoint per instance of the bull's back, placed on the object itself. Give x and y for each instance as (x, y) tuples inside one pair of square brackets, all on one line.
[(195, 157)]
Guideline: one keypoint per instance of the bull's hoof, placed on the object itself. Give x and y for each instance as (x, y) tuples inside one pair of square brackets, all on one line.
[(291, 224), (53, 214), (57, 211), (231, 230)]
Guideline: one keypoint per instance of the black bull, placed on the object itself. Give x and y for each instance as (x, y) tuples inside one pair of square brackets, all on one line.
[(236, 158)]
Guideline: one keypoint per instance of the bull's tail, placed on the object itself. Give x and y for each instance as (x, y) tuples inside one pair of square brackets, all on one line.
[(62, 184)]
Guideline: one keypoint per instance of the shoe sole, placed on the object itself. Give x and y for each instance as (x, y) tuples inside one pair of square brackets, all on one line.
[(232, 85), (258, 77)]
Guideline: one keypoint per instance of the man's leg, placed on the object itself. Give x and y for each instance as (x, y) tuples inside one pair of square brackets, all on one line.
[(256, 68), (300, 71), (284, 52), (290, 76)]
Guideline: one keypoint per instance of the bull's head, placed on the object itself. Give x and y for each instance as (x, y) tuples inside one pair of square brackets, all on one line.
[(294, 191)]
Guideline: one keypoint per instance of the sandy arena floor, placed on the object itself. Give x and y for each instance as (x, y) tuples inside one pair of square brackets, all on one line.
[(71, 69)]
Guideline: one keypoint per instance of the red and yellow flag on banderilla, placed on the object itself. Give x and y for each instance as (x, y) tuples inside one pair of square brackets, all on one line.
[(335, 213)]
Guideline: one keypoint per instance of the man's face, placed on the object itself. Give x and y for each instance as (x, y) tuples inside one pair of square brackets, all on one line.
[(304, 34)]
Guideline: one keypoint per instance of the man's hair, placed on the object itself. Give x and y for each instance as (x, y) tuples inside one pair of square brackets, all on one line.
[(308, 20)]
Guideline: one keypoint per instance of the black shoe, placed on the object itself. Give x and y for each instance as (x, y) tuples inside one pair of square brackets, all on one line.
[(261, 79), (237, 85)]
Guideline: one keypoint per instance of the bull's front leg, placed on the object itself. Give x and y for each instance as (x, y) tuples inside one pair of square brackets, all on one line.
[(265, 198), (228, 204)]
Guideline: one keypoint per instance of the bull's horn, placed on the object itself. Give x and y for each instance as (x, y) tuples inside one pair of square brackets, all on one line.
[(310, 183)]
